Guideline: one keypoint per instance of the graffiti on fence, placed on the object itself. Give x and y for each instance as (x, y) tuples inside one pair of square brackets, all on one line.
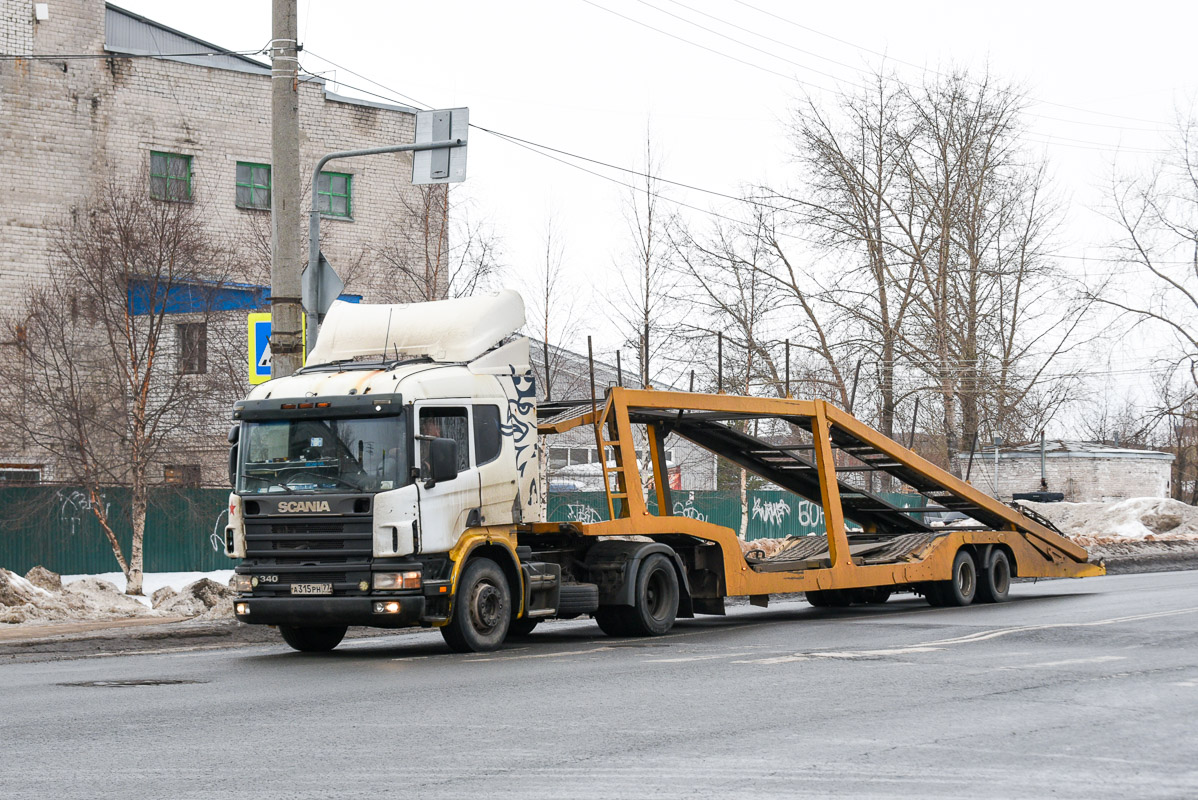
[(772, 513), (688, 509), (217, 538), (73, 506), (582, 513)]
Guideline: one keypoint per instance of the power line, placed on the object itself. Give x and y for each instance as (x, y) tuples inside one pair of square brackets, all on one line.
[(940, 74), (803, 66), (545, 151)]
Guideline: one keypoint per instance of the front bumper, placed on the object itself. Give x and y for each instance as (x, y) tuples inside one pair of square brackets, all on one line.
[(320, 612)]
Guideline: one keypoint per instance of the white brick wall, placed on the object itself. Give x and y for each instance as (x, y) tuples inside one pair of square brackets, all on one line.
[(1081, 479)]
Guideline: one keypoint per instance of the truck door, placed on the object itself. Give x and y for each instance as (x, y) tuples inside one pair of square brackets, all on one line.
[(446, 508)]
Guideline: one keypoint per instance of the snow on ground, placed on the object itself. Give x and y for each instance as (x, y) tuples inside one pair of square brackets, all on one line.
[(1143, 518), (153, 581), (42, 597)]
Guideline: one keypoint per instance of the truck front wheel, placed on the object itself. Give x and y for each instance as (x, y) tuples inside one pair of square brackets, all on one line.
[(482, 609), (312, 640)]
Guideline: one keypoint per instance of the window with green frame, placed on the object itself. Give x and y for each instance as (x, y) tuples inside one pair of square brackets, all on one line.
[(253, 185), (333, 194), (170, 176)]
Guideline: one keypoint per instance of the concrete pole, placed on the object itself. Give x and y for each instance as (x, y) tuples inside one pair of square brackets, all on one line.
[(286, 345)]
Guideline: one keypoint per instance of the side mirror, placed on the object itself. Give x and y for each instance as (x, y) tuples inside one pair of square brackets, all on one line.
[(443, 461), (234, 434), (233, 465)]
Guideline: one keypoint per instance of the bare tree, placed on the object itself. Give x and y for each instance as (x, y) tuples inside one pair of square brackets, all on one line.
[(1157, 216), (435, 250), (102, 372), (647, 281), (852, 169)]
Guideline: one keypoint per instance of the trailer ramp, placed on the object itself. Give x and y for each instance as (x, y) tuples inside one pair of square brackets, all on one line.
[(838, 445)]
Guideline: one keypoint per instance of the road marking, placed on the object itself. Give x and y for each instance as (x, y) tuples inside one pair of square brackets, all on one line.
[(843, 654), (683, 659), (1187, 684), (559, 654), (971, 638), (1071, 661)]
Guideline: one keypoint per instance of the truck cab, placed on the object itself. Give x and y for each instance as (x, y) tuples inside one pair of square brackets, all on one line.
[(363, 482)]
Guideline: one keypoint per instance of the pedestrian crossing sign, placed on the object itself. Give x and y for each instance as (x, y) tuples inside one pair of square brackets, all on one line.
[(259, 346)]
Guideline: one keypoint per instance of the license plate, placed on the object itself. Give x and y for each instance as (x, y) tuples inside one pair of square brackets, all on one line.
[(311, 588)]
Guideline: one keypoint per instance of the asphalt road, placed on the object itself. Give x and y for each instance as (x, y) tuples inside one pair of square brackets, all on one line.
[(1085, 689)]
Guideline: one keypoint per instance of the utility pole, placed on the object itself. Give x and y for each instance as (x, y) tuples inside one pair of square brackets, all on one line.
[(286, 343)]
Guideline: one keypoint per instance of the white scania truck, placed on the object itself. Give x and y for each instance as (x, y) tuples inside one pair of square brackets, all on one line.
[(394, 481)]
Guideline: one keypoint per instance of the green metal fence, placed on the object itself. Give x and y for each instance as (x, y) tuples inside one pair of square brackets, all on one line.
[(56, 527), (772, 514)]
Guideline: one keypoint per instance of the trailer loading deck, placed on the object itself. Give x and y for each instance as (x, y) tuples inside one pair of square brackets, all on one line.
[(890, 548)]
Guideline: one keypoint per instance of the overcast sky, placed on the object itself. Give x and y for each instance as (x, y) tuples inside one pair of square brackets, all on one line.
[(591, 76)]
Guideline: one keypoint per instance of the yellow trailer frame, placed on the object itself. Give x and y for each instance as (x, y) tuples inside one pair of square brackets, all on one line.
[(1036, 550)]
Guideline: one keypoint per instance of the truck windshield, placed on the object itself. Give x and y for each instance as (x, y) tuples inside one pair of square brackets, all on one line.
[(322, 455)]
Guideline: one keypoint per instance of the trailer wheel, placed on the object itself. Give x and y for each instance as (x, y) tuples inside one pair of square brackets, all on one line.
[(656, 598), (963, 586), (874, 595), (522, 626), (829, 598), (312, 640), (995, 584), (613, 621), (482, 609), (931, 593)]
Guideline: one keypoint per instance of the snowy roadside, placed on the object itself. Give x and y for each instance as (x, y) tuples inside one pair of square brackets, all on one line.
[(42, 597)]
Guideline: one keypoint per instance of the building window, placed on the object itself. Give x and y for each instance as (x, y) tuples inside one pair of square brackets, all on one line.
[(170, 176), (333, 190), (182, 475), (20, 474), (253, 185), (193, 347)]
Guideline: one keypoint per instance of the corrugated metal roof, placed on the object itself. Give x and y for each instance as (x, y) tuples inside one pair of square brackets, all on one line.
[(126, 32), (1072, 448)]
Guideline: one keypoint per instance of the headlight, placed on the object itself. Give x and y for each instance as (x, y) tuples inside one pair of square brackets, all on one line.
[(242, 583), (397, 580)]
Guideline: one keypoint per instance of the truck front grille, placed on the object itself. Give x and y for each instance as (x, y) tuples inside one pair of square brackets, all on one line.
[(312, 539)]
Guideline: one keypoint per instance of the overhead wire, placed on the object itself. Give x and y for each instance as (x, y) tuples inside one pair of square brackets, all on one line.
[(546, 151), (927, 69), (1089, 146)]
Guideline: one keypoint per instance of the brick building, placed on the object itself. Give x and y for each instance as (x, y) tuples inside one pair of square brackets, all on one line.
[(1085, 472), (109, 95)]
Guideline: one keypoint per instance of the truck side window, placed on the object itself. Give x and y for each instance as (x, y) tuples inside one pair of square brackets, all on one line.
[(487, 437), (447, 423)]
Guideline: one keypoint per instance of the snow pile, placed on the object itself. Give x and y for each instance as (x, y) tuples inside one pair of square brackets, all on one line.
[(23, 600), (1150, 519), (43, 597), (205, 599)]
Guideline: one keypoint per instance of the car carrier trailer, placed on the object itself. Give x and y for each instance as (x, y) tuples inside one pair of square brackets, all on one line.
[(393, 482)]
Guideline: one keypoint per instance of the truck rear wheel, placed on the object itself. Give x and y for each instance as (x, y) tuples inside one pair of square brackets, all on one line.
[(312, 640), (482, 609), (656, 598), (995, 583)]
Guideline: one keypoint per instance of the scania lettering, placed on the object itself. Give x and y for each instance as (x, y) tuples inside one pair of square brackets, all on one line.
[(394, 481)]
